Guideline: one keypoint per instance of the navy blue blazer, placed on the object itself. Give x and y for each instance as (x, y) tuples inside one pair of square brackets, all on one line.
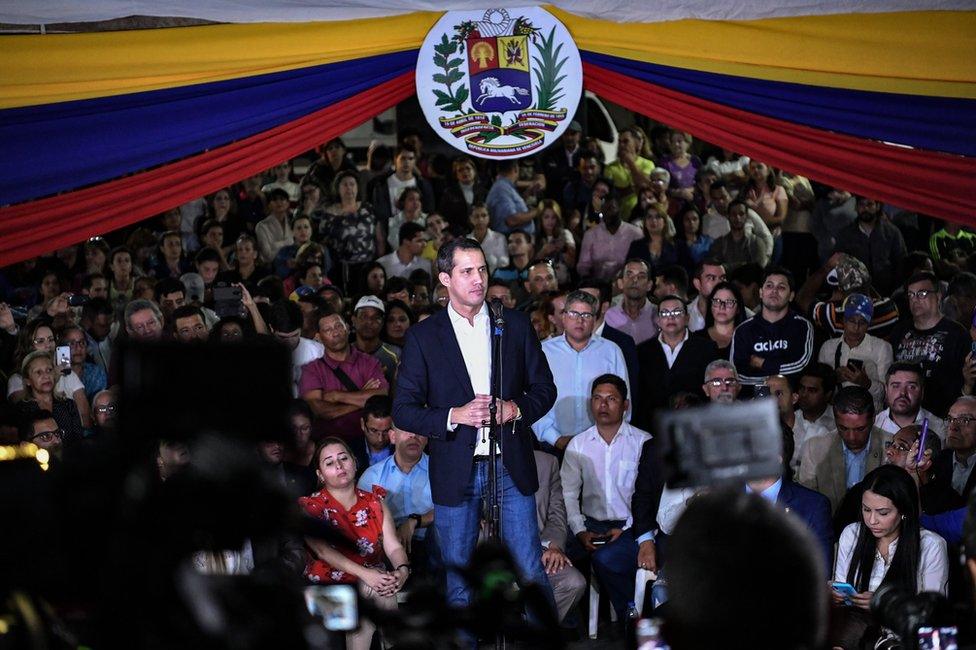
[(432, 379), (813, 509)]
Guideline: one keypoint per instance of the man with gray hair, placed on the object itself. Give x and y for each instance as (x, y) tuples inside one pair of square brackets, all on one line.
[(576, 358), (721, 382), (834, 463), (143, 321)]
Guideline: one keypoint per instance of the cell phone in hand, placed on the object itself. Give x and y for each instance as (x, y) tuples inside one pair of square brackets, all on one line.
[(844, 589), (972, 347), (228, 300), (855, 364), (63, 358)]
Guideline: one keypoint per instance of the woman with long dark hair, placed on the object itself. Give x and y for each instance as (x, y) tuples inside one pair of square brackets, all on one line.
[(887, 547)]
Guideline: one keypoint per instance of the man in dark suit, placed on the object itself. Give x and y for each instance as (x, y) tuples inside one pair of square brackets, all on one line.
[(811, 507), (443, 393), (954, 465), (672, 362)]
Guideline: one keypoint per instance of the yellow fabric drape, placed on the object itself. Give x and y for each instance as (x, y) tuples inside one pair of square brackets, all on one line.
[(921, 53)]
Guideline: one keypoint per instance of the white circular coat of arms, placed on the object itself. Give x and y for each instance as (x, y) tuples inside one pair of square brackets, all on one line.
[(500, 83)]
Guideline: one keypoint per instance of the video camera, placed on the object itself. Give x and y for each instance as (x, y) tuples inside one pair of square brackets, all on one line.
[(924, 621)]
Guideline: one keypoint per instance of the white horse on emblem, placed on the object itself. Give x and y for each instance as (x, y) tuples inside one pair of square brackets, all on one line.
[(492, 88)]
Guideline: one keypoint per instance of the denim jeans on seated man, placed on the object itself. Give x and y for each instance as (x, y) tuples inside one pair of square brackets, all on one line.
[(614, 563), (457, 533)]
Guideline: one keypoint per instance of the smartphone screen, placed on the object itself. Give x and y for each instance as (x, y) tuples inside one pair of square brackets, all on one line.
[(856, 364), (63, 355), (338, 605), (937, 638)]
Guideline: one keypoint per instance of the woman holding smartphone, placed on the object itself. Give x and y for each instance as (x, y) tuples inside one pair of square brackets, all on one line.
[(888, 546)]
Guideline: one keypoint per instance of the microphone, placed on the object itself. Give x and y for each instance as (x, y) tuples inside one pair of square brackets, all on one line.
[(495, 304)]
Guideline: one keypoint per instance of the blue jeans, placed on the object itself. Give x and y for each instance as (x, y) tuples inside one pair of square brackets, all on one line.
[(458, 527)]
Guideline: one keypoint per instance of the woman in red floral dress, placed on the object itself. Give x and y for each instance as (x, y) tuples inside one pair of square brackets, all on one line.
[(364, 519)]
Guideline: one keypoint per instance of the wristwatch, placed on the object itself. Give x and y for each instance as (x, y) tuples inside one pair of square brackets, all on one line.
[(417, 518)]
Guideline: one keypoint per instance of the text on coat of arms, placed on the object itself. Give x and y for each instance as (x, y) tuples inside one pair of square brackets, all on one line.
[(499, 84)]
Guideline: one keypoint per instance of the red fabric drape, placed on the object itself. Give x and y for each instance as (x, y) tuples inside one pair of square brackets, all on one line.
[(38, 227), (931, 183)]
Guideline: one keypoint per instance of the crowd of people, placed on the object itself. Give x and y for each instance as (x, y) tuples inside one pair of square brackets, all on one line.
[(659, 280)]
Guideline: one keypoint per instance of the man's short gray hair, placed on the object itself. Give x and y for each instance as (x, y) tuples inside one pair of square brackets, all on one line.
[(585, 298), (720, 364), (139, 305)]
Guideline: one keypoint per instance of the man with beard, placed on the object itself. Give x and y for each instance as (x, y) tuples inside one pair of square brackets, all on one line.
[(605, 246), (875, 241), (775, 341), (739, 246), (721, 382), (939, 345), (578, 191), (904, 391)]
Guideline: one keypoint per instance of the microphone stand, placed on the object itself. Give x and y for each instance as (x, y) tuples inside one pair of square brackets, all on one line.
[(494, 423), (495, 432)]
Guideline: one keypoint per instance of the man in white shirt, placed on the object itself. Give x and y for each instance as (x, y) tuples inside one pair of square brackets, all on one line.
[(904, 392), (576, 358), (780, 388), (598, 475), (407, 257), (635, 315), (857, 357), (815, 387), (285, 323)]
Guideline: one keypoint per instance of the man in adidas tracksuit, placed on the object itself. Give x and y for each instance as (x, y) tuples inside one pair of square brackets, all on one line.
[(776, 341)]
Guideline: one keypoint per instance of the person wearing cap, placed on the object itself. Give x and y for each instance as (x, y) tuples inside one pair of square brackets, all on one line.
[(367, 320), (844, 275), (196, 291), (560, 159), (857, 357)]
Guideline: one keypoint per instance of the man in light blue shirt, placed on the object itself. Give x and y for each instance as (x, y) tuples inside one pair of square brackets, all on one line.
[(406, 478), (576, 358), (505, 205)]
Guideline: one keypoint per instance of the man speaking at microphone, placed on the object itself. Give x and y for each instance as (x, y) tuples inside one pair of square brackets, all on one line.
[(443, 392)]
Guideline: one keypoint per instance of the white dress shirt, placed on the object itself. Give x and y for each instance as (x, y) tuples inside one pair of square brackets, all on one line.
[(673, 504), (802, 432), (669, 354), (874, 352), (475, 343), (394, 267), (936, 424), (602, 475), (933, 565)]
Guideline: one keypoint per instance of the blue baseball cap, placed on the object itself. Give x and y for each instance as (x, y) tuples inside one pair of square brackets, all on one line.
[(857, 304)]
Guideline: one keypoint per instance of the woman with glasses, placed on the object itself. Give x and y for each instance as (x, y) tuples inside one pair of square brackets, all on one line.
[(725, 312), (38, 335), (886, 547), (38, 372)]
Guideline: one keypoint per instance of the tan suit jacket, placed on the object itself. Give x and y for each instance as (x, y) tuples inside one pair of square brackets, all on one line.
[(822, 465)]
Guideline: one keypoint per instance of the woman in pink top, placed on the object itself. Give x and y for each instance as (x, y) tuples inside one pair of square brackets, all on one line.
[(769, 200)]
